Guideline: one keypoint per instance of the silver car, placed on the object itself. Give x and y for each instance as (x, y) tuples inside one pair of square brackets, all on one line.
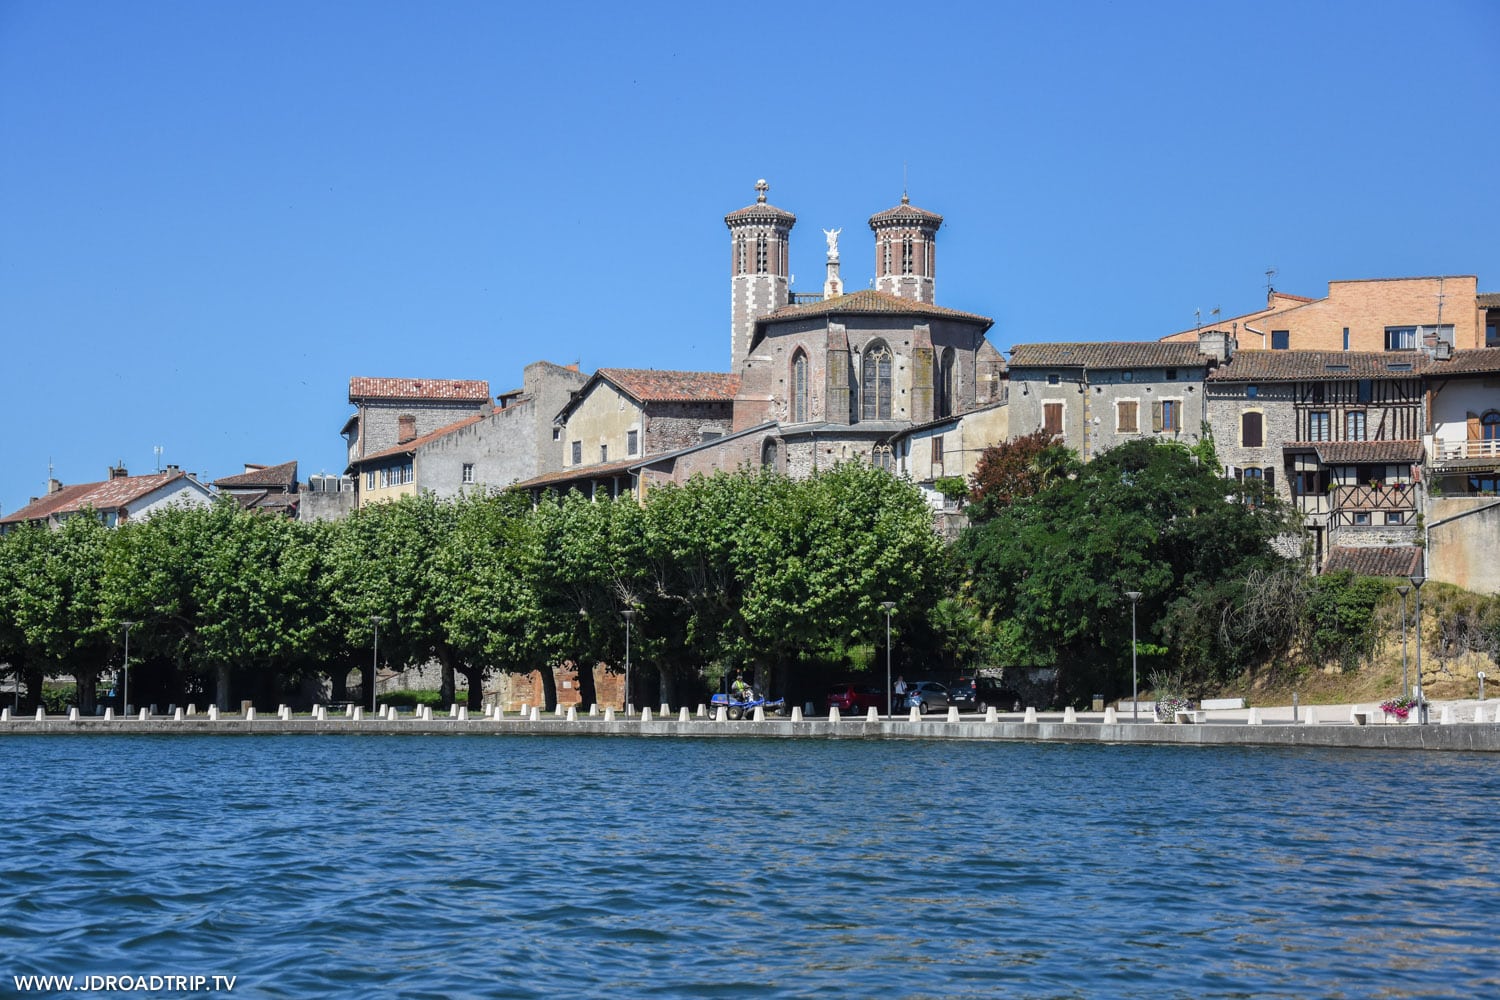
[(926, 696)]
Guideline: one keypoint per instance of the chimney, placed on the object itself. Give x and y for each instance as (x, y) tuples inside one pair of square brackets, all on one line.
[(172, 470), (118, 471), (53, 486), (1217, 344)]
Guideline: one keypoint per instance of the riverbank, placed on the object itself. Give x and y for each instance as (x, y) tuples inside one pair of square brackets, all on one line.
[(1268, 727)]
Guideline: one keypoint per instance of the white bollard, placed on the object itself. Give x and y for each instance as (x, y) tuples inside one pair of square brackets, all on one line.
[(609, 715), (536, 713), (593, 710), (1069, 714), (702, 710), (572, 713), (144, 715), (72, 714), (1030, 714), (177, 716), (463, 713), (915, 715), (796, 713), (991, 714), (833, 714), (213, 713), (1254, 719), (359, 713), (760, 714), (499, 714), (349, 711), (722, 715), (1312, 716), (1446, 719), (109, 715), (525, 710), (559, 711), (665, 711), (645, 715), (952, 713), (683, 715), (41, 714), (1110, 718), (281, 710), (1353, 714), (192, 710), (873, 715), (250, 714), (286, 713), (4, 715)]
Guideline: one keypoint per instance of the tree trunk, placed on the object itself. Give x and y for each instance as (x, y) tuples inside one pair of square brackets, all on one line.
[(447, 690), (475, 678), (588, 692), (549, 687), (338, 684), (87, 695), (221, 687), (668, 685), (34, 680)]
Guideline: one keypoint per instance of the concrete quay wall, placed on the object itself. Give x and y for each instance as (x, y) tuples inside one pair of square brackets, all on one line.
[(1483, 737)]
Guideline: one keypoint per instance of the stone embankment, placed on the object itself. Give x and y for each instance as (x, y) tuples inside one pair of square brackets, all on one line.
[(1449, 729)]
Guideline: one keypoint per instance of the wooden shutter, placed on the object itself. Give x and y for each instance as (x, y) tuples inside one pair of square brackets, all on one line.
[(1476, 431), (1250, 430), (1156, 416), (1270, 479)]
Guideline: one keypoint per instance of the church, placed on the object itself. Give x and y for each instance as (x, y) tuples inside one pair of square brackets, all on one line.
[(815, 378)]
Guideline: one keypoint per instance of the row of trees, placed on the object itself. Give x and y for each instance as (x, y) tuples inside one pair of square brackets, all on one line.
[(739, 570)]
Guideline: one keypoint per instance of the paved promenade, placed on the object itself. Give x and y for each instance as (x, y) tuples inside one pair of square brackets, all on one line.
[(1331, 726)]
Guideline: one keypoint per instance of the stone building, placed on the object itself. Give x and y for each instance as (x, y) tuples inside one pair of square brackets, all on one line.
[(120, 498), (1095, 396), (396, 411), (271, 488)]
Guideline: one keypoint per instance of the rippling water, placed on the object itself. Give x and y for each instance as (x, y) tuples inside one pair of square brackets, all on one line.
[(479, 866)]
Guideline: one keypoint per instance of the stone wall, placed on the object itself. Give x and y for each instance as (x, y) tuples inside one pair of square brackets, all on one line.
[(1463, 536)]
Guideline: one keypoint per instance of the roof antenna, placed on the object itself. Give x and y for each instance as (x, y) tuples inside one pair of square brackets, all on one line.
[(904, 199), (1271, 273), (1198, 319), (158, 450)]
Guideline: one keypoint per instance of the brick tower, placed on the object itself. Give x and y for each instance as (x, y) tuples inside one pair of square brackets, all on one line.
[(758, 267), (906, 250)]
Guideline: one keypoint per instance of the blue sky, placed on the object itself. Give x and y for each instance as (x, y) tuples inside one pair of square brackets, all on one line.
[(212, 215)]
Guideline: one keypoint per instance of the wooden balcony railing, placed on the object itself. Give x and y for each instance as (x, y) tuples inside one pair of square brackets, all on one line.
[(1451, 451), (1396, 496)]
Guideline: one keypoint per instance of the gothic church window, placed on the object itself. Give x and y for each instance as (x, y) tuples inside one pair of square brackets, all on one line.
[(761, 260), (943, 378), (799, 388), (875, 385), (885, 261), (906, 255), (739, 254)]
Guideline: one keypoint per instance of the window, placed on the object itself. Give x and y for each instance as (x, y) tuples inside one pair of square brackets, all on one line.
[(937, 451), (577, 452), (1052, 379), (799, 388), (1281, 340), (1394, 517), (1489, 426), (1354, 425), (1362, 517), (557, 433), (468, 473), (1052, 418), (885, 257), (906, 255), (370, 480), (1127, 417), (632, 442), (739, 254), (1318, 426), (604, 453), (883, 458), (1252, 430), (1252, 392), (1171, 374), (1127, 376), (1317, 392), (1491, 335), (1366, 390), (1346, 338), (761, 259), (1166, 415), (875, 387), (943, 379), (1400, 338)]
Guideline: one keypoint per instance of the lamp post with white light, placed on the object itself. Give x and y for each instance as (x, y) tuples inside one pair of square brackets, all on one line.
[(125, 703), (890, 694), (629, 617), (376, 621), (1417, 580), (1135, 686)]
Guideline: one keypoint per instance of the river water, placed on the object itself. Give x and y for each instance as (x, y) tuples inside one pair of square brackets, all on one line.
[(483, 866)]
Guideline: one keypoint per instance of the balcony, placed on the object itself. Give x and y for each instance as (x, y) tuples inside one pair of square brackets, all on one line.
[(1396, 496), (1464, 454)]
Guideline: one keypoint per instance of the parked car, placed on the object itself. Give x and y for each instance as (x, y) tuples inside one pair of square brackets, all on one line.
[(927, 696), (855, 698), (975, 694)]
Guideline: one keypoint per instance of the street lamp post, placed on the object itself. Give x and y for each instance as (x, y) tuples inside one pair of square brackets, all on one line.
[(1416, 584), (890, 693), (1403, 591), (1135, 685), (375, 620), (127, 626), (629, 617)]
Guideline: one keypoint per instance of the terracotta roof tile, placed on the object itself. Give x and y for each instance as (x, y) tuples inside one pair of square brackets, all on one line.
[(1109, 354), (407, 447), (418, 388), (266, 475), (649, 385), (1383, 560), (581, 473), (1361, 452), (1482, 360), (1489, 300), (869, 301), (904, 212), (111, 494), (1293, 366)]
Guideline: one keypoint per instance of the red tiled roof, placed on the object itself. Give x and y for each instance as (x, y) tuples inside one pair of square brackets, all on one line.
[(580, 473), (265, 475), (1489, 300), (1291, 366), (418, 388), (904, 212), (1109, 354), (112, 494), (869, 301), (1476, 361), (647, 385), (1373, 560), (1360, 452), (407, 447)]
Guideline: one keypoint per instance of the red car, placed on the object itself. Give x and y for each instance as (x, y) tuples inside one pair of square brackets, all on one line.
[(856, 698)]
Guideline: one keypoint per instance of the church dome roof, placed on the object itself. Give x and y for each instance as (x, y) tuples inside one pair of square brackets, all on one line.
[(761, 211), (905, 214)]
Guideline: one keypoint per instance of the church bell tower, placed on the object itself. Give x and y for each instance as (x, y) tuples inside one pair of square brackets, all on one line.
[(758, 263), (906, 250)]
